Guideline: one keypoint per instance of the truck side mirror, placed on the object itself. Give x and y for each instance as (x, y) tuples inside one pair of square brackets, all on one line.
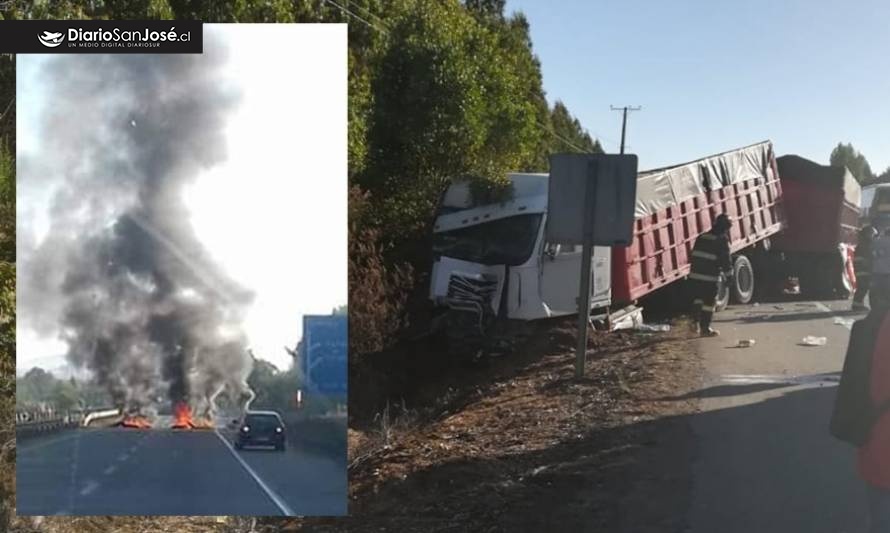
[(550, 250)]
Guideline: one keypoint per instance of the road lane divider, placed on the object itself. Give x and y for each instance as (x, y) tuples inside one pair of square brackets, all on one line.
[(89, 488), (276, 499)]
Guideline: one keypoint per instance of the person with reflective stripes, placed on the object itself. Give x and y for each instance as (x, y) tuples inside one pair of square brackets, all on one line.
[(862, 263), (710, 258)]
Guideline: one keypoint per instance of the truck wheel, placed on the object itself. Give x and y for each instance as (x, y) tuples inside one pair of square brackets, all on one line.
[(742, 285)]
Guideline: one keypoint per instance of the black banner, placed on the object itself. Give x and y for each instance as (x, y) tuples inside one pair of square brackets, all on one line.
[(101, 37)]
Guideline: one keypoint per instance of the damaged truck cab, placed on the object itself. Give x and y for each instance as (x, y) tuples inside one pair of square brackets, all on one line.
[(492, 265)]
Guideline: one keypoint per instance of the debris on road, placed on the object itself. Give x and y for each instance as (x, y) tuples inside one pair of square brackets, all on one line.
[(632, 319), (810, 340), (746, 343), (846, 322), (652, 328)]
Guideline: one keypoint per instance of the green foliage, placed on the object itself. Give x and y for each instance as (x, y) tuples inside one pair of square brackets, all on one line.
[(274, 388), (846, 155), (570, 135), (40, 387), (7, 106), (7, 283), (446, 103)]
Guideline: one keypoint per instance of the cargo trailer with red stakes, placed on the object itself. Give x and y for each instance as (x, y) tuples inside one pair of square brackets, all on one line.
[(677, 204)]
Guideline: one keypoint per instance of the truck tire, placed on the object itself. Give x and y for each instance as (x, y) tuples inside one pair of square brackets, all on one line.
[(742, 283)]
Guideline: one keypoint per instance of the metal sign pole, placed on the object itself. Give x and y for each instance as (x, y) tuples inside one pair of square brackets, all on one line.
[(586, 253)]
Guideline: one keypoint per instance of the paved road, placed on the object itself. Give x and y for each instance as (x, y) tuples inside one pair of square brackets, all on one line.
[(765, 461), (119, 471)]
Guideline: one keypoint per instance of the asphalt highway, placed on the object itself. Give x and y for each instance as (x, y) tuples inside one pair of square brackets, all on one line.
[(118, 471), (765, 460)]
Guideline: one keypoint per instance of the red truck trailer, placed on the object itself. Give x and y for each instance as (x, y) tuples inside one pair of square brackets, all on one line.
[(676, 204), (822, 213)]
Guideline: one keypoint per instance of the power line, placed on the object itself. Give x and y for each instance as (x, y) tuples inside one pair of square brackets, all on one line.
[(350, 13), (561, 138), (369, 12)]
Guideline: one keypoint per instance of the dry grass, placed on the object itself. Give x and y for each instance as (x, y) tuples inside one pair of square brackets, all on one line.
[(522, 439)]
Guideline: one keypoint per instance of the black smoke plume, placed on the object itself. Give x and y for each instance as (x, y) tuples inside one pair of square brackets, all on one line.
[(120, 274)]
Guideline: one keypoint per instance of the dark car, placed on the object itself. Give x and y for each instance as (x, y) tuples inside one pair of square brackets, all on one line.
[(261, 428)]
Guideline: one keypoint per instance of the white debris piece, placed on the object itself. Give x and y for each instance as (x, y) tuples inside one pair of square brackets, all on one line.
[(746, 343), (653, 327), (846, 322), (810, 340)]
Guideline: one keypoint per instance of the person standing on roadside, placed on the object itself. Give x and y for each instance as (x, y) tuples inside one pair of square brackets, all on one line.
[(861, 414), (874, 454), (710, 258), (862, 263)]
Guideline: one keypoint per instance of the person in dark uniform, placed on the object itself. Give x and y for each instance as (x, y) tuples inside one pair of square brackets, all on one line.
[(862, 264), (710, 258)]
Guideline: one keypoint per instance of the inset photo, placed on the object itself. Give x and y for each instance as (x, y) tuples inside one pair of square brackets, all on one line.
[(182, 280)]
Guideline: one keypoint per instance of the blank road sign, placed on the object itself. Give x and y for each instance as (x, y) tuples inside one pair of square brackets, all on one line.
[(614, 179), (324, 364)]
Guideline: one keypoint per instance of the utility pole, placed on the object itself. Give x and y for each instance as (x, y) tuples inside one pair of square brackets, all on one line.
[(624, 109)]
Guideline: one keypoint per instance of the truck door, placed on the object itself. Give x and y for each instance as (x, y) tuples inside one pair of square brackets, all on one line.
[(560, 278)]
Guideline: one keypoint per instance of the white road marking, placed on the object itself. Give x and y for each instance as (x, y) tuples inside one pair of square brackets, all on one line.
[(90, 487), (279, 502), (110, 470), (123, 457), (753, 379)]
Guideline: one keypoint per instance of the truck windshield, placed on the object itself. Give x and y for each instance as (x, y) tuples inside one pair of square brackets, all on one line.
[(507, 241)]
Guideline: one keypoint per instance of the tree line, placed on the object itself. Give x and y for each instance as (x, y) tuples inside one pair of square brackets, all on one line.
[(845, 155), (39, 388)]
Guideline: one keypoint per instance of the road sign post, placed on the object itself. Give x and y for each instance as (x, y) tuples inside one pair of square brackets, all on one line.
[(591, 201), (586, 253)]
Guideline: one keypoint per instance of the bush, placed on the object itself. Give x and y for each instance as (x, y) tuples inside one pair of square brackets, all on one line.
[(377, 291)]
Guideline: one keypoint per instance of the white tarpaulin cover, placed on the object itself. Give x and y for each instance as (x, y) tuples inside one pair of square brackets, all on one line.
[(660, 188)]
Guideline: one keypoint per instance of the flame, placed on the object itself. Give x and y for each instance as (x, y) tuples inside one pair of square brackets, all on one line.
[(135, 421), (183, 419)]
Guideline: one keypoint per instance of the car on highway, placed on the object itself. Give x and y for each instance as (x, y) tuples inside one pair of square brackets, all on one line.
[(261, 428)]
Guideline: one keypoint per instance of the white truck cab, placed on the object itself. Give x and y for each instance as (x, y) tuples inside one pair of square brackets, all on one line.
[(491, 260)]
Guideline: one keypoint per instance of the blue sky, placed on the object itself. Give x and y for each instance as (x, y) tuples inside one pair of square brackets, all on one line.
[(805, 74)]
